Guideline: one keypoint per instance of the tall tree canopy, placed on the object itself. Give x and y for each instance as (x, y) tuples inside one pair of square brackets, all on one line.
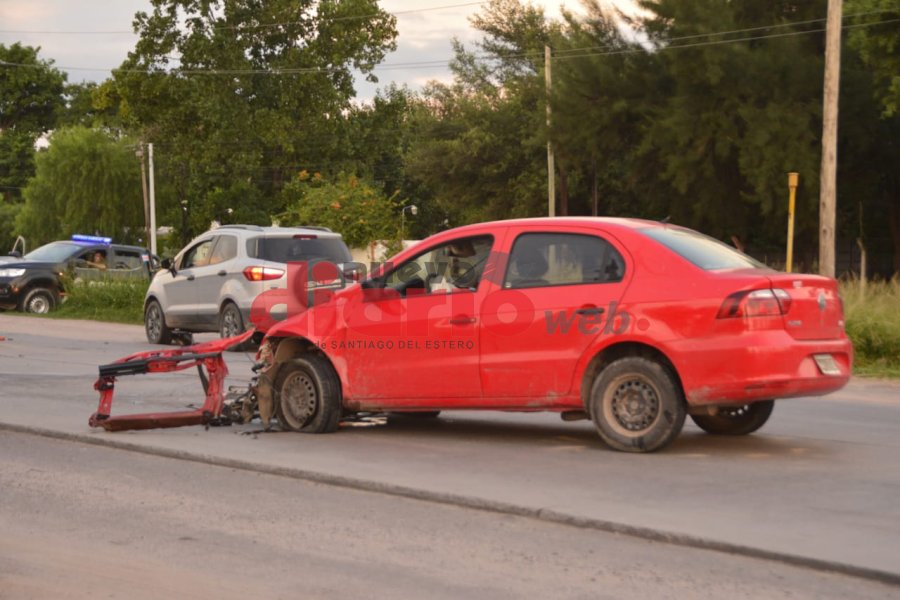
[(238, 95), (85, 182), (31, 96)]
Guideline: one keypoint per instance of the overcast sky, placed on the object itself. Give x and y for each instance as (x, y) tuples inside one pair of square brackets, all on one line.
[(423, 36)]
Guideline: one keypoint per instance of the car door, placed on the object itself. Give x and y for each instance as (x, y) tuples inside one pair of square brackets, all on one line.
[(560, 290), (209, 279), (181, 293), (412, 335)]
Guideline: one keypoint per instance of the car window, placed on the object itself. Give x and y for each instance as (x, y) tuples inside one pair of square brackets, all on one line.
[(705, 252), (453, 266), (226, 249), (127, 260), (197, 256), (285, 249), (545, 259)]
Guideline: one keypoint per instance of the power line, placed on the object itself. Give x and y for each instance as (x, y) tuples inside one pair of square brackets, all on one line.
[(583, 52), (259, 26)]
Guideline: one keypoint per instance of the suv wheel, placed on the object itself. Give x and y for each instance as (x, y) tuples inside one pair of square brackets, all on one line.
[(38, 301), (155, 324), (231, 323)]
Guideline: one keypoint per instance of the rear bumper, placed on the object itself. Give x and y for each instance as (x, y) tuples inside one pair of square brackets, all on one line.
[(760, 366)]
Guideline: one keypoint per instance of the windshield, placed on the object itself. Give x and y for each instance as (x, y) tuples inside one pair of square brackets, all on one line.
[(54, 252), (705, 252)]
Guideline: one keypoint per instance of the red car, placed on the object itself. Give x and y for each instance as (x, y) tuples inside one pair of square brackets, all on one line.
[(634, 324)]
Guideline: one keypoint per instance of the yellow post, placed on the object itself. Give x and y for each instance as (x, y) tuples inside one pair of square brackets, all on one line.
[(792, 186)]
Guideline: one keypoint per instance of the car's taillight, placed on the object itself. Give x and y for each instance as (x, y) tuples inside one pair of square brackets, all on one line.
[(756, 303), (262, 273)]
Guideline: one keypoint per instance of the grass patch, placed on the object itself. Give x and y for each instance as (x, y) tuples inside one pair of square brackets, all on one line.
[(873, 323), (116, 301)]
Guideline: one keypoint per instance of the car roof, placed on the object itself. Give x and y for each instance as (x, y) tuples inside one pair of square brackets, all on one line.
[(323, 232), (608, 222)]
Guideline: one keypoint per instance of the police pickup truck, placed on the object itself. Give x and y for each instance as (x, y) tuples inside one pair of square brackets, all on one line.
[(34, 282)]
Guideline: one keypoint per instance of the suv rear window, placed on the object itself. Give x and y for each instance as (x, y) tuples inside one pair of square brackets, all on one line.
[(293, 249), (705, 252)]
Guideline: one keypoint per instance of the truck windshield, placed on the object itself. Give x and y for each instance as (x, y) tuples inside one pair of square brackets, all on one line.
[(55, 252)]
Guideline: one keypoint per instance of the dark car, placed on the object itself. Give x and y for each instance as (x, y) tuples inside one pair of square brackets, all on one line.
[(34, 282)]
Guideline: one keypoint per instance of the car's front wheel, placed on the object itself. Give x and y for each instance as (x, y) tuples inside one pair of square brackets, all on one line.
[(308, 395), (155, 324), (38, 301), (637, 405), (736, 420)]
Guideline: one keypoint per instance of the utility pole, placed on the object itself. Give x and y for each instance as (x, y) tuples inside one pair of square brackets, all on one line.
[(793, 179), (828, 172), (140, 154), (152, 202), (551, 170)]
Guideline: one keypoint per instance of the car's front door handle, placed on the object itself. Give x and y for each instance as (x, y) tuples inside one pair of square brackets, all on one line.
[(222, 273), (462, 320), (594, 310)]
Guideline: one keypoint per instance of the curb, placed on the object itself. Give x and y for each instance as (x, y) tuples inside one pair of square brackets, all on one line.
[(470, 502)]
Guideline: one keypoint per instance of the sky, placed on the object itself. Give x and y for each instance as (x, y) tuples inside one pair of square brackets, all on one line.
[(424, 35)]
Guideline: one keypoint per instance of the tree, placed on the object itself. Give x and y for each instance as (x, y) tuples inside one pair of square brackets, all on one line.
[(352, 207), (30, 99), (258, 93), (879, 48), (85, 182)]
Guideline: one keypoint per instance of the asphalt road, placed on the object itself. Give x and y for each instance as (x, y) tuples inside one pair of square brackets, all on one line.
[(819, 484)]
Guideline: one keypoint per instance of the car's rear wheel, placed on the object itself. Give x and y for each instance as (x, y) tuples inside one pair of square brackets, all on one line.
[(39, 301), (637, 405), (736, 420), (155, 324), (231, 323), (308, 395)]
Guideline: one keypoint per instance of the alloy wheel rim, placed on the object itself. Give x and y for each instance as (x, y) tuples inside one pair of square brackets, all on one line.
[(39, 305)]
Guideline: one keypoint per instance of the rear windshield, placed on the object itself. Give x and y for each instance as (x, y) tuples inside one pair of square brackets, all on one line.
[(54, 252), (705, 252), (294, 249)]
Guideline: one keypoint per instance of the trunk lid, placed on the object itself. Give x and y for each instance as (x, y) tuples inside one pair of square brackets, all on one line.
[(816, 311)]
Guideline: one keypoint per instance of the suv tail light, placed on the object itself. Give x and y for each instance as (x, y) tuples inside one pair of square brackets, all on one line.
[(262, 273), (755, 303)]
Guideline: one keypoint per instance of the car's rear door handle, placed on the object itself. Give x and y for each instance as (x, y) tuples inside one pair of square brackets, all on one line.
[(593, 310), (222, 273), (462, 320)]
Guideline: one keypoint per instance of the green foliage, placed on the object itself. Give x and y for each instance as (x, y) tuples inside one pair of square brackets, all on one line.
[(112, 300), (86, 182), (879, 47), (348, 206), (873, 324), (228, 129)]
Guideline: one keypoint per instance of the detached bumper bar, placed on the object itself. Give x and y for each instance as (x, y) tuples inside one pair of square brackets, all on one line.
[(206, 357)]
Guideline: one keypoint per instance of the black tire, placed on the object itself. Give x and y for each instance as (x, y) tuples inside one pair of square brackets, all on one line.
[(736, 420), (38, 301), (155, 324), (231, 323), (308, 395), (637, 405)]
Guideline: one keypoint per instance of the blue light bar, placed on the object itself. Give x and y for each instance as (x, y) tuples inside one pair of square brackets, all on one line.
[(93, 239)]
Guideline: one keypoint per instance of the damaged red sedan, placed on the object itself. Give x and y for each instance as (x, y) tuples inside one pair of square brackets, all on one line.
[(633, 324)]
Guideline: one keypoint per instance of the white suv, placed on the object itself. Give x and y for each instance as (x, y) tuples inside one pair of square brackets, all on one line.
[(210, 285)]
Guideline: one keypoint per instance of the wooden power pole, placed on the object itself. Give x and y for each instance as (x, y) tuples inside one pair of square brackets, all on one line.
[(828, 174), (551, 169)]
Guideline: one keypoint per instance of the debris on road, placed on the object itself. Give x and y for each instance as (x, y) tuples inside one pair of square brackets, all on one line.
[(216, 410)]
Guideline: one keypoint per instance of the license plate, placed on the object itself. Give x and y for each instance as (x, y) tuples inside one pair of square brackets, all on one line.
[(827, 364)]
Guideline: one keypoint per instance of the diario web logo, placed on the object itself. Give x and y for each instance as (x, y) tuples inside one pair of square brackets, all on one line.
[(399, 303)]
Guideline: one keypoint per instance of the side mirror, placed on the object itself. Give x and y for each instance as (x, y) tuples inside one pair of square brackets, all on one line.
[(16, 254), (354, 271), (167, 264)]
